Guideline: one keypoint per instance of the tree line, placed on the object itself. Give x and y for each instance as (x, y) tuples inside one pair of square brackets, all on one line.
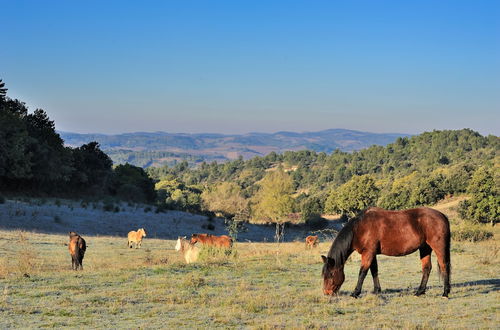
[(34, 160), (292, 187), (300, 186)]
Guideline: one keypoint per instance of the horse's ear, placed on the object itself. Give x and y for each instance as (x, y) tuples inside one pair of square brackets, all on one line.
[(327, 260)]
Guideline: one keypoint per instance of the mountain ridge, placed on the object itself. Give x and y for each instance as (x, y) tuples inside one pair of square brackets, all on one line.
[(159, 148)]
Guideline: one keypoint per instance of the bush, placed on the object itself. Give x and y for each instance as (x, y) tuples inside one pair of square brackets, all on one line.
[(212, 254), (2, 199), (471, 233), (108, 206)]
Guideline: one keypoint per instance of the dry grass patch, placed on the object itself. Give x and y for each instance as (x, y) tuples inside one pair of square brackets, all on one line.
[(264, 285)]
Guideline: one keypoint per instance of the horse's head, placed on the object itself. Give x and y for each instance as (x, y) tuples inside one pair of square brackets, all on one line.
[(142, 231), (333, 277)]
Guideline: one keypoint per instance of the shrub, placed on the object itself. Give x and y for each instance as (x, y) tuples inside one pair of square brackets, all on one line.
[(108, 206), (471, 233), (212, 254), (2, 199), (208, 226)]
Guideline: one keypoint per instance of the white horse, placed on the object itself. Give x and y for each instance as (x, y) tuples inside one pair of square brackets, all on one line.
[(190, 251)]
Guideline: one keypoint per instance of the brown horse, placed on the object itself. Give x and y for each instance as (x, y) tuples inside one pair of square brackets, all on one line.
[(223, 241), (77, 248), (392, 233), (312, 241)]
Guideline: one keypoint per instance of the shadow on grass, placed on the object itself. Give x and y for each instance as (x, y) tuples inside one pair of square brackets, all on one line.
[(490, 285)]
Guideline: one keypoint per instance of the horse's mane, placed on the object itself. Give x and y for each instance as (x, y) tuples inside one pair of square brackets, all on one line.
[(341, 247)]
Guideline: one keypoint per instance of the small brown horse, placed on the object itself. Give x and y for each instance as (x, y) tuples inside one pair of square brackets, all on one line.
[(312, 241), (392, 233), (77, 248), (223, 241)]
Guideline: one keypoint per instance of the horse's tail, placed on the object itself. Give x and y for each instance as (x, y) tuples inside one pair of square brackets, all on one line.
[(447, 250)]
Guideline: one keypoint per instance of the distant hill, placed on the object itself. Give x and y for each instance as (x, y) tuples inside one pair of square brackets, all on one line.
[(159, 148)]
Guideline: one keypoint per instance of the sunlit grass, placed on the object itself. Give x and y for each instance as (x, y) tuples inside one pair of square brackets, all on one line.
[(263, 285)]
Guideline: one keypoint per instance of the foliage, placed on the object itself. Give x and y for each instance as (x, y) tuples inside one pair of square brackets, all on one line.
[(34, 160), (352, 197), (131, 183), (484, 204), (471, 233), (311, 210), (273, 202)]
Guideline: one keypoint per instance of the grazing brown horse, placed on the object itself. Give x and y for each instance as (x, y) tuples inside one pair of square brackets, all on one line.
[(392, 233), (136, 237), (312, 241), (77, 247), (223, 241)]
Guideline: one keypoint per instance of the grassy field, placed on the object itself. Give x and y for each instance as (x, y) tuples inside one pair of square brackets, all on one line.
[(264, 285)]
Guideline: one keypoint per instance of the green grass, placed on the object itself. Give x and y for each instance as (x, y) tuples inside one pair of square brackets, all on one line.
[(263, 285)]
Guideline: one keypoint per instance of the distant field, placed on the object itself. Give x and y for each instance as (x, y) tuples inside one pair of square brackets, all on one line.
[(265, 285)]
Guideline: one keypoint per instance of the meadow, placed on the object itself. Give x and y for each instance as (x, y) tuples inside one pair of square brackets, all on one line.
[(260, 285)]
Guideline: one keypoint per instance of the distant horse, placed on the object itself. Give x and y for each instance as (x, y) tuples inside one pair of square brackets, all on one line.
[(189, 250), (223, 241), (392, 233), (136, 237), (77, 248), (312, 241)]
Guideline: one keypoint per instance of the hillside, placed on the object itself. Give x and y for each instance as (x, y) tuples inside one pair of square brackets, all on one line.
[(160, 148)]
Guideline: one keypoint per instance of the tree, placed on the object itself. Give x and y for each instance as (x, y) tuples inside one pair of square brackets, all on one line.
[(355, 195), (227, 199), (133, 184), (15, 159), (484, 202), (93, 170), (273, 201)]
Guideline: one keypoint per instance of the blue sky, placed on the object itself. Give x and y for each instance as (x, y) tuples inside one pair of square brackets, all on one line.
[(266, 66)]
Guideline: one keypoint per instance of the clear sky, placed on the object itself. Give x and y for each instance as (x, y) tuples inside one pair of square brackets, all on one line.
[(244, 66)]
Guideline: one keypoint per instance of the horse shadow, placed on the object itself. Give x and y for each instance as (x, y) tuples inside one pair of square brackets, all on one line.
[(491, 285)]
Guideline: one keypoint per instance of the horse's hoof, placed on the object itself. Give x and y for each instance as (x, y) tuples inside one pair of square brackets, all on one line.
[(445, 297), (419, 293), (354, 295)]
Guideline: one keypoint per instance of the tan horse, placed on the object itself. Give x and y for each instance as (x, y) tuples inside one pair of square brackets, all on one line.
[(312, 241), (189, 250), (223, 241), (77, 248), (136, 237)]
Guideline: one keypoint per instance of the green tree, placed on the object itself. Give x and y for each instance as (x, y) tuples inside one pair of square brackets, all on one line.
[(226, 199), (133, 184), (273, 202), (355, 195), (15, 159), (93, 171), (484, 202)]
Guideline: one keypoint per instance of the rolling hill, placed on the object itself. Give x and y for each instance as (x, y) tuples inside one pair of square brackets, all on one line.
[(159, 148)]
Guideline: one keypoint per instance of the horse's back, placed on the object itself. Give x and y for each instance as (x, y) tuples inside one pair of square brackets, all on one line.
[(399, 232)]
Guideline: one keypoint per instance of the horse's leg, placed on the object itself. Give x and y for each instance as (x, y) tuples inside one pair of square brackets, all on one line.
[(72, 262), (425, 258), (374, 271), (80, 261), (444, 266), (366, 261)]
